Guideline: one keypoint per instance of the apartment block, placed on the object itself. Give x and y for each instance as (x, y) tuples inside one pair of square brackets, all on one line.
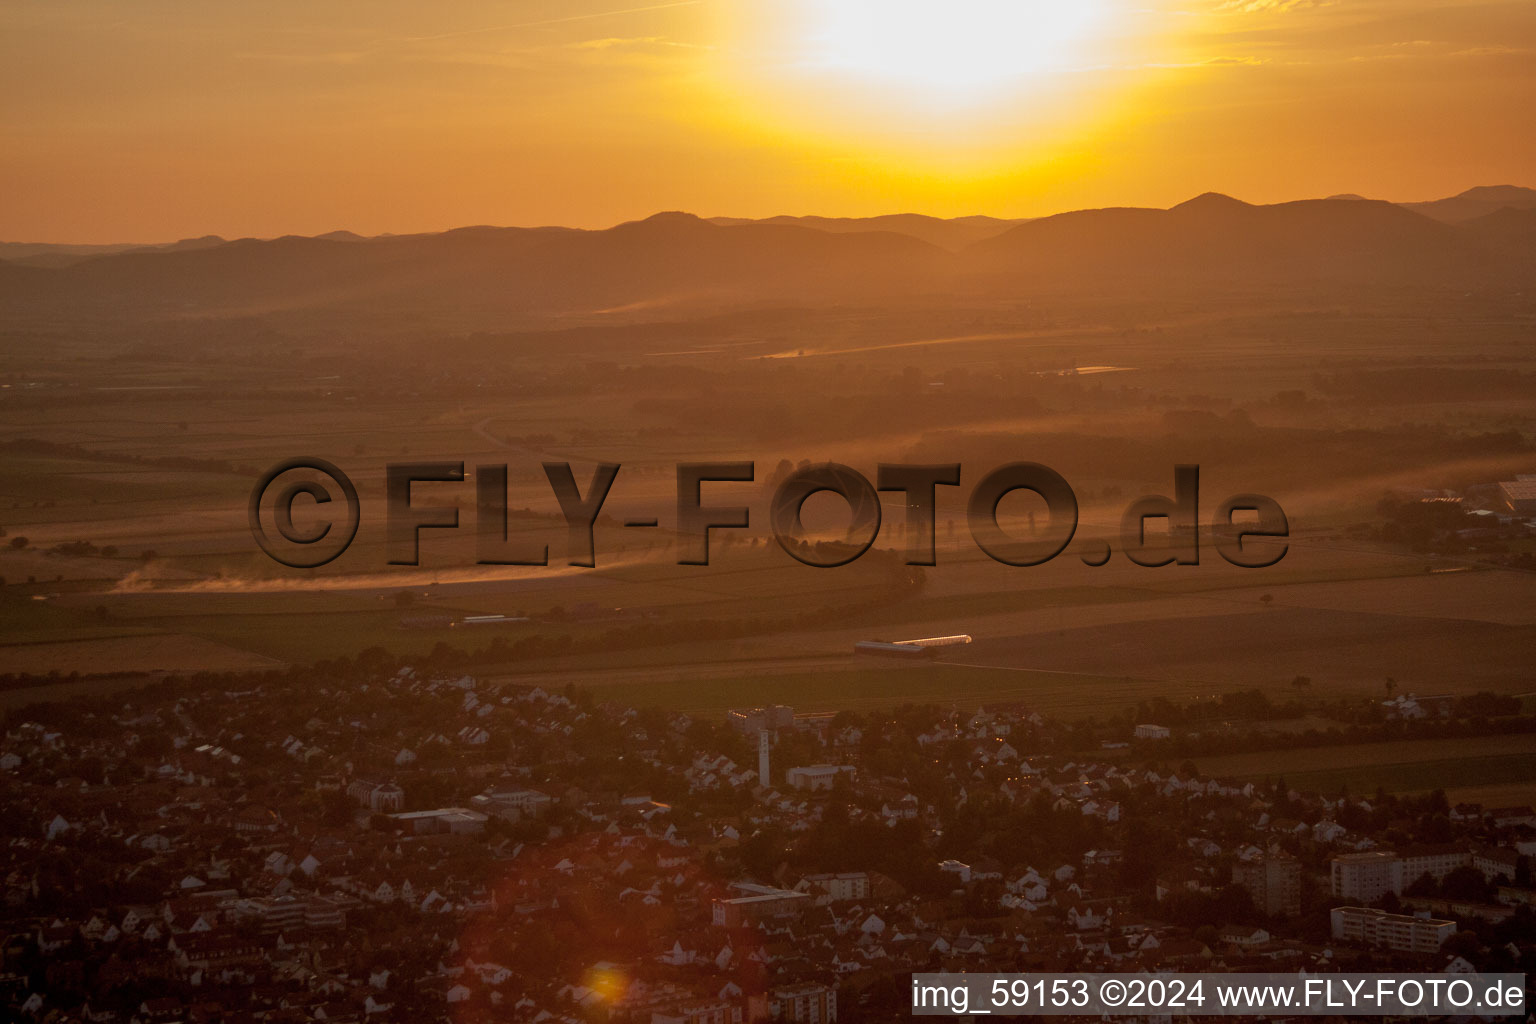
[(1400, 932)]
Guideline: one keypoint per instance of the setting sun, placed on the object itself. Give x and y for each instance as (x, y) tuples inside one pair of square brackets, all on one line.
[(962, 49)]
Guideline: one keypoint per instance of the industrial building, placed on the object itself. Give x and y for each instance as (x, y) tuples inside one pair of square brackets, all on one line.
[(923, 648), (1519, 494), (957, 640), (886, 649)]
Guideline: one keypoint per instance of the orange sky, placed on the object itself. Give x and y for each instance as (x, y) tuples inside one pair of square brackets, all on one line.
[(157, 119)]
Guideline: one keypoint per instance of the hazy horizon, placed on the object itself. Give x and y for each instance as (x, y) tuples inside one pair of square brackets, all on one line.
[(718, 216)]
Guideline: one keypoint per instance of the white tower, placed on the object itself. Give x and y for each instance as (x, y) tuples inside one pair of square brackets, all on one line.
[(764, 778)]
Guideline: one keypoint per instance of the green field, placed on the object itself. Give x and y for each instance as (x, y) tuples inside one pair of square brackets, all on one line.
[(832, 685), (1401, 767)]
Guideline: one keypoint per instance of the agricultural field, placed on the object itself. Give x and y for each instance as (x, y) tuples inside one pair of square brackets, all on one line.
[(1493, 770), (827, 686), (149, 652), (123, 492)]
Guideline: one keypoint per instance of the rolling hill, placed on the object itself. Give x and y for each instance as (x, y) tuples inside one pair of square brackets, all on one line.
[(1477, 202), (1215, 239), (946, 233), (665, 260), (677, 264)]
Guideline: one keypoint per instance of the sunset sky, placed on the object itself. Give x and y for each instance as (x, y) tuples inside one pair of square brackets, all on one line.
[(158, 119)]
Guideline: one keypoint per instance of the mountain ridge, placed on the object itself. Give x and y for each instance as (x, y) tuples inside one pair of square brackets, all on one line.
[(1478, 201), (675, 260)]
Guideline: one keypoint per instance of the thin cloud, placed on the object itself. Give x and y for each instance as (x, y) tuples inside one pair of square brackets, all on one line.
[(1493, 51), (623, 42), (1208, 62), (590, 16), (414, 51), (1269, 6)]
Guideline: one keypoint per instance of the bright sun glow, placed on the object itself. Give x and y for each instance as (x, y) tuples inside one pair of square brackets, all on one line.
[(956, 47)]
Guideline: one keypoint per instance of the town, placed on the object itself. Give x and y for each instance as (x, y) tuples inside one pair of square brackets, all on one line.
[(397, 843)]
